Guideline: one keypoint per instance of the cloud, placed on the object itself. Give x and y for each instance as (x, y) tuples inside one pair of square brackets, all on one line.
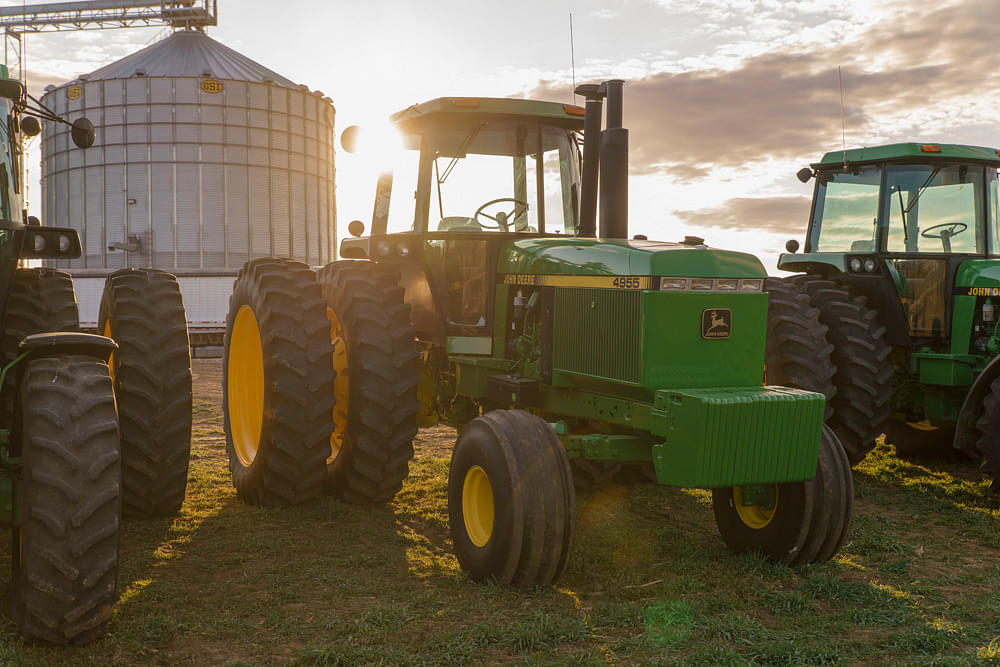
[(901, 76), (783, 215)]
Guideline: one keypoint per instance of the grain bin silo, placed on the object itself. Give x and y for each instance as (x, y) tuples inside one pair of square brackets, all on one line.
[(204, 159)]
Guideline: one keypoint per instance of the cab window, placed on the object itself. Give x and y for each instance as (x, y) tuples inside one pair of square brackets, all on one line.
[(846, 211), (935, 209)]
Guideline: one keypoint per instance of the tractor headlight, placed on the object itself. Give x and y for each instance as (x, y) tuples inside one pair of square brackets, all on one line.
[(674, 283), (402, 249), (855, 264), (64, 243), (701, 284), (39, 243), (870, 265), (382, 248), (752, 285), (727, 284)]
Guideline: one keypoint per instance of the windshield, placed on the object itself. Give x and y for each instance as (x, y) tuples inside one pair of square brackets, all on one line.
[(507, 176), (935, 209), (926, 208)]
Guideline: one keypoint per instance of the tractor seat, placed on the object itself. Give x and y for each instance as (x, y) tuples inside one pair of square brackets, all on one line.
[(862, 246)]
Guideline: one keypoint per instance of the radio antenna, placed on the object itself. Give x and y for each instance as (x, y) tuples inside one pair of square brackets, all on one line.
[(843, 123), (572, 54)]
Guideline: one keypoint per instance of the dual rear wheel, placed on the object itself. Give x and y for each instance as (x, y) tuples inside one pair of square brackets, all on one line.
[(319, 382)]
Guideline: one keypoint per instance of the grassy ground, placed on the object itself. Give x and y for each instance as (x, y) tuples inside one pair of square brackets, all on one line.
[(649, 581)]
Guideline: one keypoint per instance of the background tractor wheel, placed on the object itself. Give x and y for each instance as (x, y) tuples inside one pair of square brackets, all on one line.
[(923, 440), (792, 523), (277, 383), (860, 355), (591, 475), (989, 442), (39, 301), (65, 566), (375, 414), (511, 503), (142, 310), (797, 353)]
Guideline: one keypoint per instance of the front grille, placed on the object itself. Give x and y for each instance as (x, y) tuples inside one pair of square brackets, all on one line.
[(598, 332)]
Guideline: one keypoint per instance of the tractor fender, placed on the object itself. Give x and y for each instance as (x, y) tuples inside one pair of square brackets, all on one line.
[(966, 433), (59, 343)]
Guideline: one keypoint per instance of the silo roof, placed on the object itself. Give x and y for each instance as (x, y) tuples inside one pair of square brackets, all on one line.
[(189, 53)]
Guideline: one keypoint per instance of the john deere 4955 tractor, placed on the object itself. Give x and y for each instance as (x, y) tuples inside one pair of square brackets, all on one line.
[(902, 261), (89, 425), (483, 298)]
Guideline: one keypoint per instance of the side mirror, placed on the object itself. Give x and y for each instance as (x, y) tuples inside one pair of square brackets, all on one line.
[(356, 228), (33, 221), (83, 133), (792, 246), (804, 174), (30, 126), (349, 138)]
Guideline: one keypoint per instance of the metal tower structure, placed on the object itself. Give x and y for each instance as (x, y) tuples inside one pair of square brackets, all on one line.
[(18, 21)]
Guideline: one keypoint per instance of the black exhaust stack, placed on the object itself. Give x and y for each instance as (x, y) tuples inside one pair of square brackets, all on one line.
[(614, 167), (594, 94)]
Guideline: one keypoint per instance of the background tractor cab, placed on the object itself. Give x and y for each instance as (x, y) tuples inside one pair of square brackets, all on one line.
[(913, 228)]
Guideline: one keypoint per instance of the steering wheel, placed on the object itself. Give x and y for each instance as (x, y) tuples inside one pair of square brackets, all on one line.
[(501, 218), (948, 229)]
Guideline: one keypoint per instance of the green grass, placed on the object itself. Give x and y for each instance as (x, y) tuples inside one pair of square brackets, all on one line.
[(649, 581)]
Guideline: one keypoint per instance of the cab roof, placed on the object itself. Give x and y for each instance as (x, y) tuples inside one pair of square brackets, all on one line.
[(450, 109), (910, 152)]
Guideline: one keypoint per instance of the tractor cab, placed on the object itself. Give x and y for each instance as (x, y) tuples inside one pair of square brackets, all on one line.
[(909, 226), (477, 173)]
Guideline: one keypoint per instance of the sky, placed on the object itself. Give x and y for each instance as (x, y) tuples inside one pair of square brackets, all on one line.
[(725, 100)]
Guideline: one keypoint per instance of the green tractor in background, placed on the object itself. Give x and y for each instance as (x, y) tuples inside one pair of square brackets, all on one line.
[(901, 268), (484, 299), (90, 426)]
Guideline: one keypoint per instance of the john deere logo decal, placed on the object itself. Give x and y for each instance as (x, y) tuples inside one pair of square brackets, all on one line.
[(74, 92), (211, 86), (716, 323)]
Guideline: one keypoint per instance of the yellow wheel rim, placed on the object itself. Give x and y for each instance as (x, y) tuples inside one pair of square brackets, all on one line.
[(924, 425), (245, 385), (477, 506), (341, 384), (758, 514), (111, 359)]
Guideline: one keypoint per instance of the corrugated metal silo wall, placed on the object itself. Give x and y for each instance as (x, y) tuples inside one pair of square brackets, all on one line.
[(207, 179)]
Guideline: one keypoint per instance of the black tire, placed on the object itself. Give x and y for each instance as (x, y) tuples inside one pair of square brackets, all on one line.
[(917, 441), (39, 301), (65, 554), (799, 522), (375, 417), (142, 310), (592, 475), (861, 357), (278, 394), (797, 353), (519, 529), (988, 443)]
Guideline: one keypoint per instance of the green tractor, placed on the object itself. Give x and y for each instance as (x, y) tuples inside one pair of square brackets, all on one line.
[(90, 426), (901, 276), (483, 299)]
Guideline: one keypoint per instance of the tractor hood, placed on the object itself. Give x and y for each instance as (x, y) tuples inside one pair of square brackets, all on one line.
[(549, 256)]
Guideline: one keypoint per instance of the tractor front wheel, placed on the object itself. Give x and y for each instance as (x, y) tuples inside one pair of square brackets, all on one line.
[(65, 552), (277, 383), (793, 523), (143, 311), (511, 503), (988, 444)]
